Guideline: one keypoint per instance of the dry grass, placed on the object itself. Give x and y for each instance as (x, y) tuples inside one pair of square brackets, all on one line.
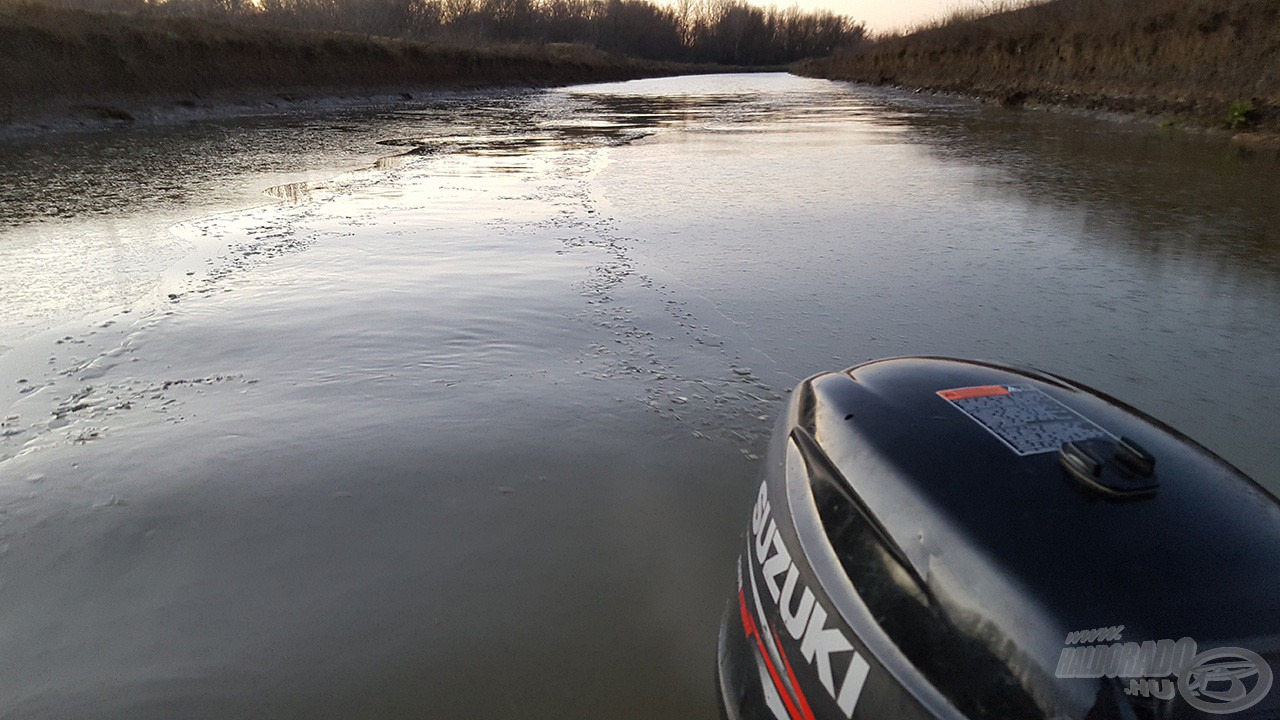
[(1192, 58), (48, 53), (965, 14)]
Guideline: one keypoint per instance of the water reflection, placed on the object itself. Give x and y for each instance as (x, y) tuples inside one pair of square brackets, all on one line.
[(1155, 192), (294, 193), (194, 167)]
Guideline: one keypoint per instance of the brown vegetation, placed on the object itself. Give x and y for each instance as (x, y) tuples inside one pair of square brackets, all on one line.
[(713, 31), (48, 54), (1215, 61)]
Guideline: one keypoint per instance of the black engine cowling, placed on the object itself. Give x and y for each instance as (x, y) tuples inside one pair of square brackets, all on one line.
[(938, 538)]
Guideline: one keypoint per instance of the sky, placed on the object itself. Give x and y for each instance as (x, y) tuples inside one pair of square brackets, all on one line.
[(881, 16)]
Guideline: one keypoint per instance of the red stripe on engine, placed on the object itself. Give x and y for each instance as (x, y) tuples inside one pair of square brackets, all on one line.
[(750, 628), (805, 711)]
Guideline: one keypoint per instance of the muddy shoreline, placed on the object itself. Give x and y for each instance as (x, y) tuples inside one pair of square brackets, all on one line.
[(96, 113), (1255, 141)]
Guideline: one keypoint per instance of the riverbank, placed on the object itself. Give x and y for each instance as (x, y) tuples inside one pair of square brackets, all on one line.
[(1207, 63), (74, 69)]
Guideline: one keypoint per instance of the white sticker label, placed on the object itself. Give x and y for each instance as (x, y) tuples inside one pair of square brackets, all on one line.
[(1023, 418)]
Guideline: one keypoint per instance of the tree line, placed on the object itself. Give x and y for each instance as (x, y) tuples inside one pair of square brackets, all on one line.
[(731, 32)]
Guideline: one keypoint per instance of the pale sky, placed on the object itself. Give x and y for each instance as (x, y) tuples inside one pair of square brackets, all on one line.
[(884, 16)]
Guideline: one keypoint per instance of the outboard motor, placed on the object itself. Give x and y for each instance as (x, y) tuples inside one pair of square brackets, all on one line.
[(938, 538)]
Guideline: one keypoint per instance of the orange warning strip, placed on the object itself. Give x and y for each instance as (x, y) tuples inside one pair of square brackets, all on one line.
[(973, 392)]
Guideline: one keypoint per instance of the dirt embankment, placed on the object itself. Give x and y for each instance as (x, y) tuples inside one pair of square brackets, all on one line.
[(110, 65), (1211, 62)]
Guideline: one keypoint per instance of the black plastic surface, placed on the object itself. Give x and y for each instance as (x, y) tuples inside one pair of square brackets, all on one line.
[(1018, 550)]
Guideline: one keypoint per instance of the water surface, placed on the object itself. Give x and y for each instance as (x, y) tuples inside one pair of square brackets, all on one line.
[(469, 428)]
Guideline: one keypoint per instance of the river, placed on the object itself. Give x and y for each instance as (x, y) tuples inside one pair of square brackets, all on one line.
[(461, 419)]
